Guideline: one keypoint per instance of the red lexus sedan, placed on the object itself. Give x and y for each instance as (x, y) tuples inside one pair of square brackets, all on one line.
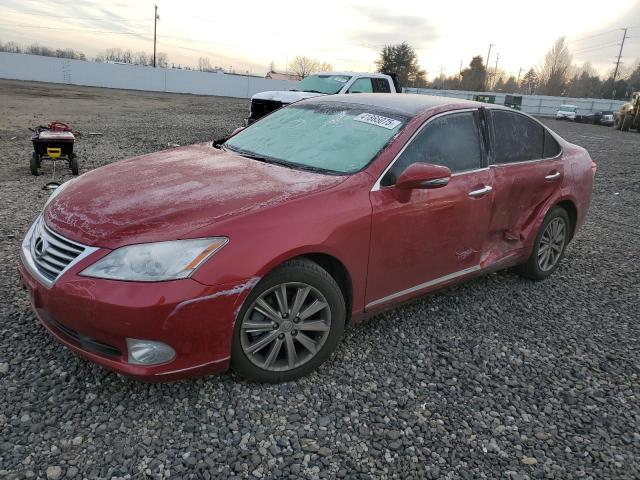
[(257, 252)]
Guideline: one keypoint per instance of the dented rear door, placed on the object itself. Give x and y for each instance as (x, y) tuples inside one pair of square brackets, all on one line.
[(527, 170)]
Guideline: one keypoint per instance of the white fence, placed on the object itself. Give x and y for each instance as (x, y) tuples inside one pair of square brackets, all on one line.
[(18, 66), (541, 105)]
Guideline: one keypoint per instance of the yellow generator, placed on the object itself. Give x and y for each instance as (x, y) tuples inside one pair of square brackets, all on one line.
[(628, 117)]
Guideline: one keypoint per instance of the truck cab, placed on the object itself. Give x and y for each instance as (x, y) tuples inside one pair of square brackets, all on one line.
[(325, 83)]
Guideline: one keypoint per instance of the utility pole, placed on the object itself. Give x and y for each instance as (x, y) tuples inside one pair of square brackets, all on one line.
[(155, 24), (615, 72), (495, 69), (519, 72), (487, 66)]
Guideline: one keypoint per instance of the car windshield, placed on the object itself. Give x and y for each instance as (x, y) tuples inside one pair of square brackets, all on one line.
[(607, 113), (567, 108), (330, 137), (328, 84)]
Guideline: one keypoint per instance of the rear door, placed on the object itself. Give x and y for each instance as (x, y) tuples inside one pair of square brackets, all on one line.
[(527, 169)]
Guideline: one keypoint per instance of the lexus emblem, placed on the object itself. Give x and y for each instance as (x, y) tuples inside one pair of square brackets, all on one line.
[(40, 247)]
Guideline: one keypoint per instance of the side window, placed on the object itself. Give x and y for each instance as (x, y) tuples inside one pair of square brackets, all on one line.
[(517, 137), (380, 85), (452, 140), (361, 85), (551, 147)]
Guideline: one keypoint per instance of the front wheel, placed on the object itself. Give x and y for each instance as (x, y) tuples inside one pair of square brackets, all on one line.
[(626, 123), (549, 246), (289, 324), (617, 122)]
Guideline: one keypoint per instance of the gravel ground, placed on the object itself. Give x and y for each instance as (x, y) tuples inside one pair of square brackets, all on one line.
[(496, 378)]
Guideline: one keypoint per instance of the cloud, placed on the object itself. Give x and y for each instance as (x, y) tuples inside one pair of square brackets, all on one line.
[(384, 27)]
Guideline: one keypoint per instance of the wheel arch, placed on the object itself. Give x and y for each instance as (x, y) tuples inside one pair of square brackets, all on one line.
[(570, 207), (333, 265)]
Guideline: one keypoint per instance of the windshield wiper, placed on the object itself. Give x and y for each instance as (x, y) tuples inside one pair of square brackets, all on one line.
[(313, 91), (276, 161)]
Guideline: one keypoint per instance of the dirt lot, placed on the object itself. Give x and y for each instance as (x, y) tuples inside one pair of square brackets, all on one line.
[(496, 378)]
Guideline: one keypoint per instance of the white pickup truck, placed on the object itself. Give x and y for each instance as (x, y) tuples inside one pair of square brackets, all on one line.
[(326, 83)]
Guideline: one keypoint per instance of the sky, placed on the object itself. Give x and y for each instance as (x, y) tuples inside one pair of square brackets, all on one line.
[(348, 34)]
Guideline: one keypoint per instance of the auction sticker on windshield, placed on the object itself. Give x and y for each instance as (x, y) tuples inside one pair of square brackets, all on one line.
[(378, 120)]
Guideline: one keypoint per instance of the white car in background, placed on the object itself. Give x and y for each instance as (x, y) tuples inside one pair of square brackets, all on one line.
[(566, 112), (325, 83)]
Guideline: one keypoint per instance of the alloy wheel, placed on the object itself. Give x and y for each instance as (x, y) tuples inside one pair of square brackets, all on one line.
[(551, 244), (285, 327)]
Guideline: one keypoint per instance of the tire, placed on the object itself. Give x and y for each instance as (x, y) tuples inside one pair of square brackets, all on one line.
[(617, 122), (34, 163), (73, 164), (262, 354), (536, 268), (626, 123)]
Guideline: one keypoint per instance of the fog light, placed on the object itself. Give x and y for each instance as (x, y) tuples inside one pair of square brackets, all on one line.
[(148, 352)]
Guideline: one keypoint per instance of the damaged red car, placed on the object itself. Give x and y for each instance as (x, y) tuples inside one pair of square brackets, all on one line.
[(257, 252)]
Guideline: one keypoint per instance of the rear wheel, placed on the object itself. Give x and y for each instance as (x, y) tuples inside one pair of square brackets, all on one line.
[(73, 164), (34, 163), (549, 246), (289, 325)]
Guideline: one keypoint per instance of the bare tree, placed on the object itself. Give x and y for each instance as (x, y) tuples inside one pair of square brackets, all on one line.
[(141, 58), (204, 65), (162, 60), (556, 67), (12, 47), (305, 66)]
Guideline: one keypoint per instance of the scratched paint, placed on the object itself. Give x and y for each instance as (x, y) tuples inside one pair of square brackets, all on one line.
[(166, 195), (238, 289)]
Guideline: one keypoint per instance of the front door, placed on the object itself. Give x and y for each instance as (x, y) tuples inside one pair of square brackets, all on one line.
[(423, 238)]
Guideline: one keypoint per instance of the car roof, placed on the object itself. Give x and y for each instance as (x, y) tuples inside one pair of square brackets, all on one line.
[(351, 74), (409, 104)]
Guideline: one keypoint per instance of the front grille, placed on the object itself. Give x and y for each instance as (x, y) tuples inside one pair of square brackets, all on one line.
[(87, 343), (52, 253), (260, 108)]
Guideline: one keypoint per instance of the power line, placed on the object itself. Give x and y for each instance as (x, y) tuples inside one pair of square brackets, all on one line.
[(600, 47), (39, 27), (591, 36), (114, 19)]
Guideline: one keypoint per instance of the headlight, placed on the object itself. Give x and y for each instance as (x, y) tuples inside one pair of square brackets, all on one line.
[(153, 262)]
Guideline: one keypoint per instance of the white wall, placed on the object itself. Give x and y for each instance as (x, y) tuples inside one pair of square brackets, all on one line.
[(17, 66), (542, 105)]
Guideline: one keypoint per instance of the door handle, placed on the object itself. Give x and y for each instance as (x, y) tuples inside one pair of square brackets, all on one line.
[(481, 192), (552, 176)]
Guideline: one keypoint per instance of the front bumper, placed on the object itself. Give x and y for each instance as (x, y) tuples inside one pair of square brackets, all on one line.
[(94, 317)]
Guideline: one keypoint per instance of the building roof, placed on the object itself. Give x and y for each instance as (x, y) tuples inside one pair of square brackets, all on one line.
[(409, 104)]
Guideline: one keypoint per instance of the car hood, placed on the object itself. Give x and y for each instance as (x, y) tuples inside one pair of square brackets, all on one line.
[(285, 96), (166, 195)]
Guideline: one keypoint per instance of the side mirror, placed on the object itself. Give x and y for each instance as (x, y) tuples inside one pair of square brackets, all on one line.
[(423, 175)]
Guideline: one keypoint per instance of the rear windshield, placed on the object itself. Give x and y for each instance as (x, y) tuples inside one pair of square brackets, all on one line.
[(328, 84), (331, 137), (567, 108)]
